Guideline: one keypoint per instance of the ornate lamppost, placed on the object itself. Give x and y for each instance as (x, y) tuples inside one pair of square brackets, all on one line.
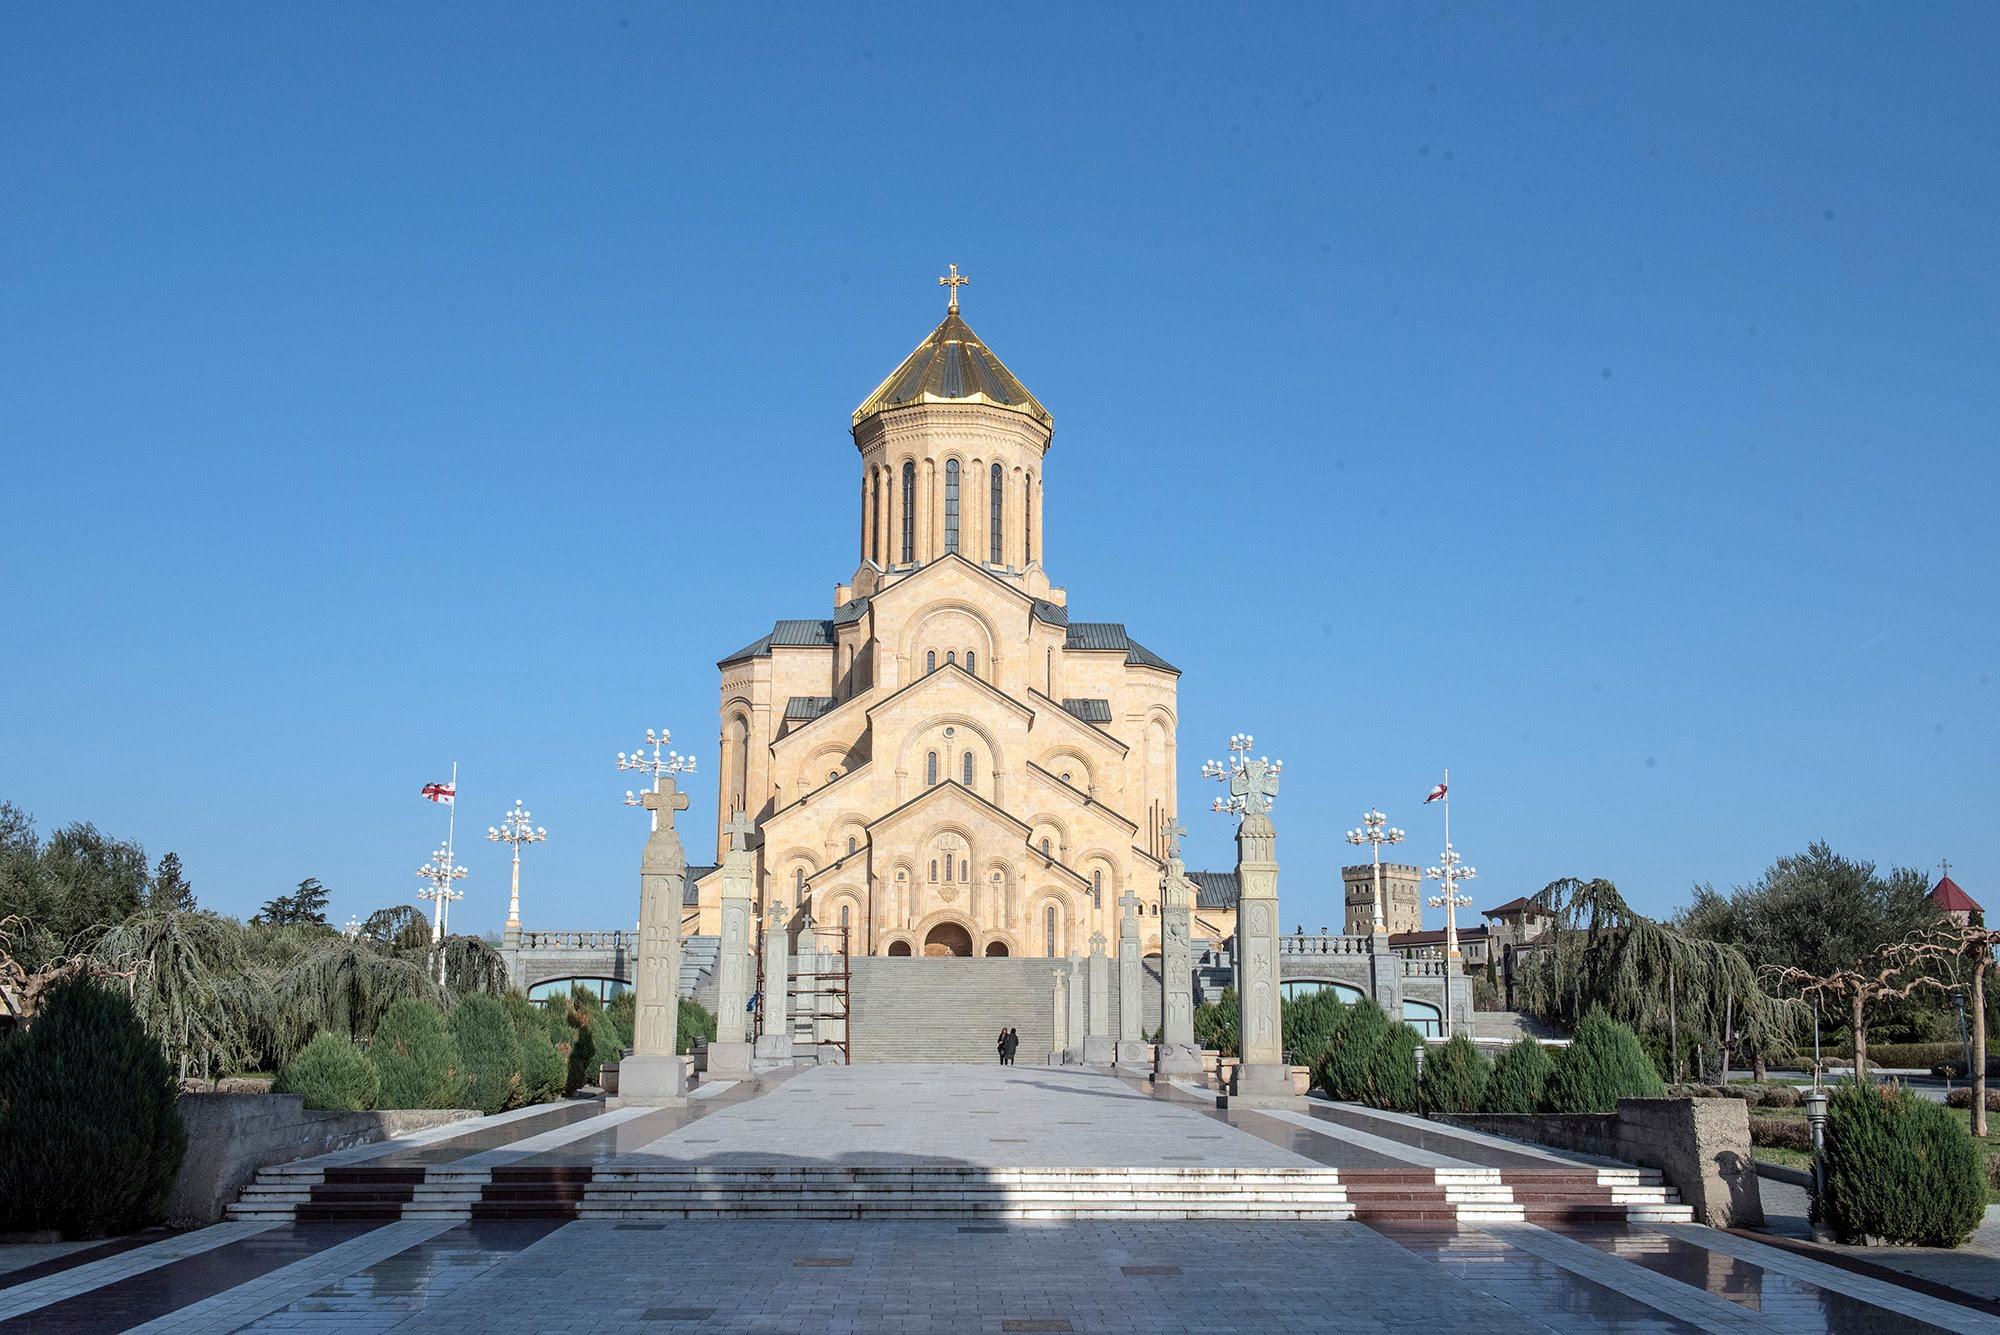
[(514, 828), (1375, 831), (662, 762), (1262, 1078), (1450, 872), (440, 872), (1253, 783)]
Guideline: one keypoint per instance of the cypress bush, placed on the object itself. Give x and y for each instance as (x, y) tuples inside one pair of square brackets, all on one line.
[(1454, 1077), (332, 1074), (542, 1067), (1215, 1023), (489, 1050), (1603, 1064), (1308, 1024), (90, 1127), (416, 1058), (1343, 1071), (1392, 1070), (1898, 1168), (1519, 1076)]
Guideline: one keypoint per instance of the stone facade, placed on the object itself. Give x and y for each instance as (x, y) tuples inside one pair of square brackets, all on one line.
[(948, 764), (1402, 897)]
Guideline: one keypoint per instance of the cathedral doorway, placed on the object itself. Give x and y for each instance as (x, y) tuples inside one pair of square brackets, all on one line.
[(899, 948), (948, 938), (995, 949)]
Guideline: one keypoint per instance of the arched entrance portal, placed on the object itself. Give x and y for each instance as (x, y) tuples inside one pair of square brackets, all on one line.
[(995, 949), (899, 948), (948, 938)]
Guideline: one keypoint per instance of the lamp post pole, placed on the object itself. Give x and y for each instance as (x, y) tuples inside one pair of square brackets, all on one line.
[(514, 828), (1375, 831), (1450, 873), (440, 872), (655, 767)]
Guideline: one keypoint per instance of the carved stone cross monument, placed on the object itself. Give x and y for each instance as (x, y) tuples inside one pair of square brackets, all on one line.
[(1098, 1048), (1077, 993), (653, 1073), (1261, 1079), (1176, 1056), (1059, 1004), (729, 1055)]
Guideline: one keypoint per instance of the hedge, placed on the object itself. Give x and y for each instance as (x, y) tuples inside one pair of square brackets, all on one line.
[(1603, 1064), (1454, 1077), (1962, 1098), (1783, 1133), (1215, 1023), (1309, 1023), (1342, 1070), (694, 1022), (1898, 1168), (1392, 1070), (1519, 1075), (90, 1126), (332, 1074)]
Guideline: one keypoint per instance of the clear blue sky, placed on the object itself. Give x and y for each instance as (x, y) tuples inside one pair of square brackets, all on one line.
[(1601, 403)]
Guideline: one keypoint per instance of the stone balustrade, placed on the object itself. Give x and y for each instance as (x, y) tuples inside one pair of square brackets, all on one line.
[(626, 941), (1324, 943)]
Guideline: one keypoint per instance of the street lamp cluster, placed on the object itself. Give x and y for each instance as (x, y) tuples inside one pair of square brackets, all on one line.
[(661, 762), (1376, 831), (515, 828), (1253, 783)]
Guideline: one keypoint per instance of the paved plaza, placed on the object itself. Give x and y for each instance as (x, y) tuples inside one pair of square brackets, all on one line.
[(554, 1274)]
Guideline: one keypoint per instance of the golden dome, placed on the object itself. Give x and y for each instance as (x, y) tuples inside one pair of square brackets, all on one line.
[(953, 366)]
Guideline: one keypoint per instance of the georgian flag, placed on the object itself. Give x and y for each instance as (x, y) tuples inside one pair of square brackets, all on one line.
[(441, 792), (1434, 794)]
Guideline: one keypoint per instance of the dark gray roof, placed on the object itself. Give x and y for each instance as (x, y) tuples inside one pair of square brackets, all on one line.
[(786, 635), (757, 648), (1111, 635), (1090, 711), (1053, 613), (1214, 889), (688, 897), (849, 612), (804, 708)]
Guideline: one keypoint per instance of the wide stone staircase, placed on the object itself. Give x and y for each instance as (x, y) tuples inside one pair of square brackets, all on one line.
[(699, 955), (636, 1191), (915, 1009)]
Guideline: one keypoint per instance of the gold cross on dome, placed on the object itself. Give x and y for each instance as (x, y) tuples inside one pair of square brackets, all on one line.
[(955, 281)]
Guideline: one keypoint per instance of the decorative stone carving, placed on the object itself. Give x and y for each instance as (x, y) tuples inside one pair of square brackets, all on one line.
[(1098, 1048), (1176, 1055), (729, 1054), (653, 1073), (775, 1043), (1132, 1053)]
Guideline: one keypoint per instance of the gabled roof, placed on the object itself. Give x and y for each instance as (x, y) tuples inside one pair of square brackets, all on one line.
[(1950, 899), (1520, 904), (805, 708), (952, 365), (786, 635), (1214, 889), (1090, 710)]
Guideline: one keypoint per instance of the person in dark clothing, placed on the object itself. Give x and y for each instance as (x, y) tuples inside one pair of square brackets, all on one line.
[(1010, 1042), (1000, 1046)]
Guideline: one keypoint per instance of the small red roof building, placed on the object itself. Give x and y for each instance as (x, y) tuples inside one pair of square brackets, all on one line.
[(1950, 899)]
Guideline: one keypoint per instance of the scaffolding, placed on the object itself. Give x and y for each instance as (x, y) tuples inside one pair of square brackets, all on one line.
[(829, 988)]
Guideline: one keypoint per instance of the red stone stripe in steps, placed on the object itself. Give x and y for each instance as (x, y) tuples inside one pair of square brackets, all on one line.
[(533, 1193)]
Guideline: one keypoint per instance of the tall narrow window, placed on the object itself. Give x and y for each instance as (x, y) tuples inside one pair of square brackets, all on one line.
[(1049, 932), (949, 867), (875, 529), (843, 917), (971, 661), (930, 772), (909, 511), (850, 844), (968, 769), (930, 661), (951, 505), (1028, 521), (799, 881), (951, 655), (1097, 889), (933, 871), (995, 492)]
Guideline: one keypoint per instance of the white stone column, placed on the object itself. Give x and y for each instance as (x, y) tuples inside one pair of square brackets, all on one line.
[(729, 1054), (775, 1043), (653, 1073), (1098, 1049), (1059, 1002), (1177, 1054), (1262, 1079), (1079, 1022), (1132, 1054)]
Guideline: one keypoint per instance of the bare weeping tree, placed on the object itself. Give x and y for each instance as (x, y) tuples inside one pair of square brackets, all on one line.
[(1648, 975), (1944, 959), (1890, 972)]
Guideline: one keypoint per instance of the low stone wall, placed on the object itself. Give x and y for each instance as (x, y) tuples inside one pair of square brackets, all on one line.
[(231, 1136), (1700, 1146)]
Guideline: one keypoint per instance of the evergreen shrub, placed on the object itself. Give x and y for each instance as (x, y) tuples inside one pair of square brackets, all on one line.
[(1519, 1075), (1392, 1070), (1603, 1064), (1898, 1168), (1962, 1098), (1343, 1070), (694, 1022), (489, 1050), (1215, 1023), (332, 1074), (1308, 1023), (419, 1063), (1784, 1133), (90, 1127), (1454, 1077), (542, 1066)]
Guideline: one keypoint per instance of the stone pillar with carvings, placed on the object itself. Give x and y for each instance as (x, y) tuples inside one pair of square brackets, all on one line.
[(1098, 1046), (775, 1043), (1262, 1078), (1059, 1012), (653, 1073), (730, 1052), (1176, 1055), (1079, 1024), (1132, 1054)]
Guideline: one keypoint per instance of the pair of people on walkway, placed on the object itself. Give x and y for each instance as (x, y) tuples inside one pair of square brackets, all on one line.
[(1009, 1042)]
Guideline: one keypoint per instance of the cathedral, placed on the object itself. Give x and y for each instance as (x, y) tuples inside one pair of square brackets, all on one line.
[(950, 764)]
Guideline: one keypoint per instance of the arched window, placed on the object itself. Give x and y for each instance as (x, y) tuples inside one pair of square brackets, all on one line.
[(864, 519), (930, 774), (949, 868), (933, 871), (930, 661), (843, 917), (909, 511), (951, 656), (965, 870), (799, 881), (951, 505), (1045, 846), (1097, 889), (1049, 932), (968, 769), (996, 493), (971, 662), (850, 844), (875, 529)]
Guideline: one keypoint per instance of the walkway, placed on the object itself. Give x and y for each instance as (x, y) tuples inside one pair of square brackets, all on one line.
[(534, 1275)]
